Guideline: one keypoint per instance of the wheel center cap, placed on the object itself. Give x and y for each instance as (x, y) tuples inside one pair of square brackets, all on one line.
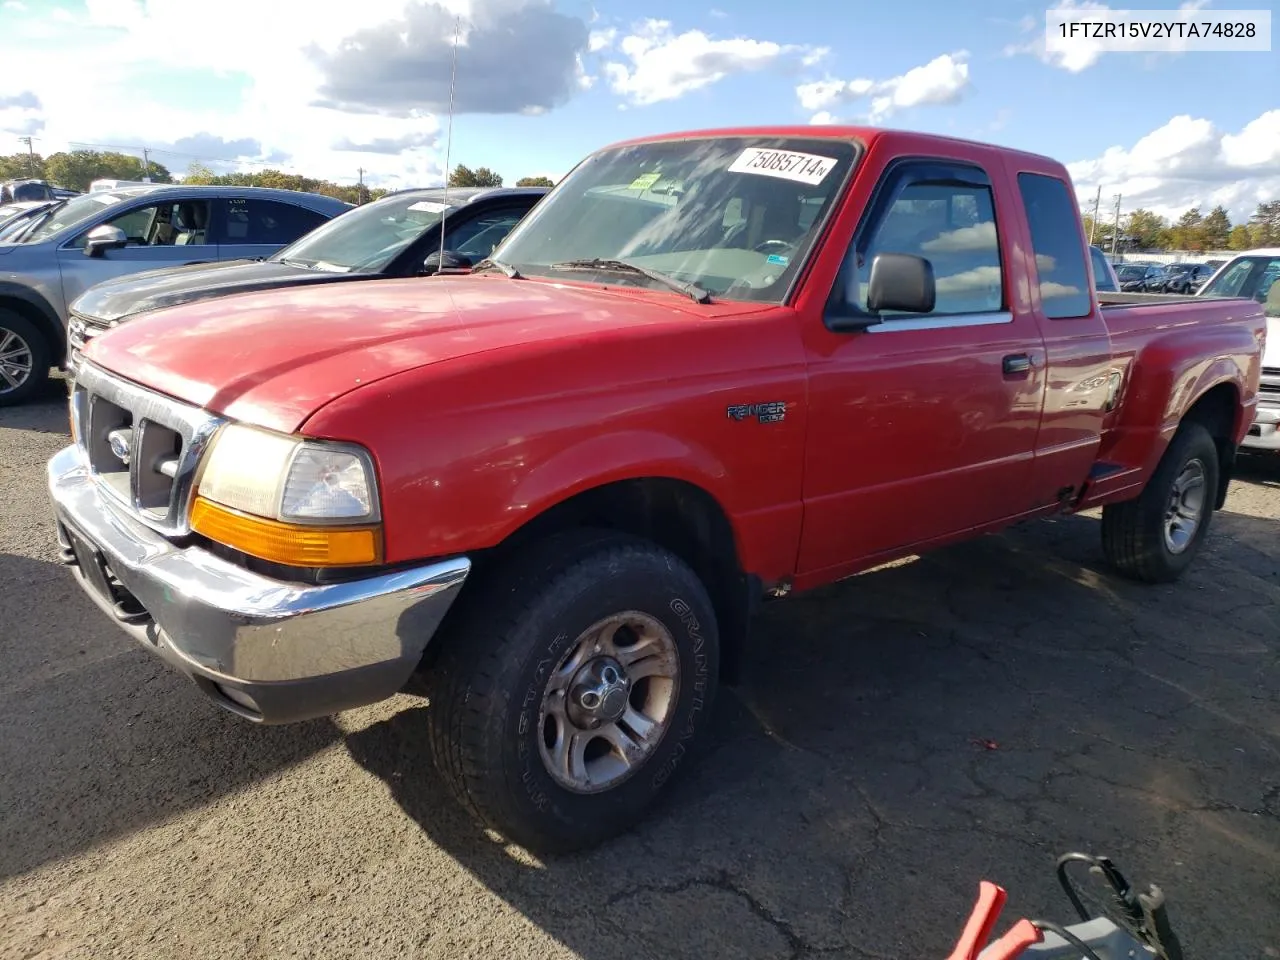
[(599, 693), (614, 703)]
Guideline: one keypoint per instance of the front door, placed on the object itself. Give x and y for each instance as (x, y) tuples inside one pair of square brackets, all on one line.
[(923, 425), (160, 234)]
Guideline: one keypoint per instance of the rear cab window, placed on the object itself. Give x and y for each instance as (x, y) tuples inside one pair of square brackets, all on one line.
[(1061, 270)]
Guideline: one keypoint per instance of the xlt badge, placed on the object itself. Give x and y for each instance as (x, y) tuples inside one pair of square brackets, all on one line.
[(771, 412)]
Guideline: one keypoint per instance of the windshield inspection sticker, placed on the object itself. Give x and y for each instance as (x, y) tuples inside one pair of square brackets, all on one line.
[(429, 206), (777, 260), (644, 181), (801, 167)]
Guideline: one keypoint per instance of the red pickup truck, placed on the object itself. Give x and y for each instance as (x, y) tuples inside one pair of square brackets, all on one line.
[(707, 369)]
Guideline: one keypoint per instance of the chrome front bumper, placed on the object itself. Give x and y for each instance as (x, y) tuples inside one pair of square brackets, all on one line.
[(269, 650)]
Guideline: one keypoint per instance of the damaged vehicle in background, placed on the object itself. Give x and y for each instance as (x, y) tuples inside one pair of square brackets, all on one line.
[(399, 235)]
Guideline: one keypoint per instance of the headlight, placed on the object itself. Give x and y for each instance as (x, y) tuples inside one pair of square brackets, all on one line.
[(300, 502)]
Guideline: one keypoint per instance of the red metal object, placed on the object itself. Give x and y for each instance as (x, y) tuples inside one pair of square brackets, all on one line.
[(487, 402), (982, 921)]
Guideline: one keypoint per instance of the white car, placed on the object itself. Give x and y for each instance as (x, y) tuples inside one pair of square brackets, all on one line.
[(1253, 274)]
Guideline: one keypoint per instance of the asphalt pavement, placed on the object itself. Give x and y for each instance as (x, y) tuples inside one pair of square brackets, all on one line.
[(905, 734)]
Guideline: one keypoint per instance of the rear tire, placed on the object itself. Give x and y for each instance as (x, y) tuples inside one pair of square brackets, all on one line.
[(585, 628), (24, 358), (1157, 536)]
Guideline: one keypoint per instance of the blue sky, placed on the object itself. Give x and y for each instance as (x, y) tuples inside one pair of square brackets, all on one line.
[(307, 86)]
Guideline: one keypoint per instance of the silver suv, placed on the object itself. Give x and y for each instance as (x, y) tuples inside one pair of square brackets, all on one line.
[(82, 241)]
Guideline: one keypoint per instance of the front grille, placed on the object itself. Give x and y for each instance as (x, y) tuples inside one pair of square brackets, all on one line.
[(81, 329), (141, 447), (1271, 372)]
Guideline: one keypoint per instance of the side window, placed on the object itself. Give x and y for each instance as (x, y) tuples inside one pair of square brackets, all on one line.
[(479, 237), (161, 225), (951, 223), (1055, 238), (267, 221)]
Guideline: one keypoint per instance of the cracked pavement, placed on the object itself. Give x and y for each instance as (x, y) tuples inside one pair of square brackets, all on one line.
[(903, 735)]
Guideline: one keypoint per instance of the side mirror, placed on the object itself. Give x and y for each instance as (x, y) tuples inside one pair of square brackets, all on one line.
[(446, 262), (103, 238), (900, 281)]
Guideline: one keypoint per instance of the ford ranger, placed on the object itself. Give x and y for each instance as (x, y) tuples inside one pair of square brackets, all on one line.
[(707, 369)]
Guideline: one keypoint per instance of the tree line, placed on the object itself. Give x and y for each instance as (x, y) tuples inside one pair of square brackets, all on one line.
[(76, 169), (1193, 231)]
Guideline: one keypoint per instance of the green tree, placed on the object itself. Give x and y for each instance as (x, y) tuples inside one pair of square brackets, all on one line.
[(1264, 225), (1147, 228), (79, 168), (464, 176), (279, 180), (1239, 238), (1215, 229), (1186, 233), (20, 166), (534, 182)]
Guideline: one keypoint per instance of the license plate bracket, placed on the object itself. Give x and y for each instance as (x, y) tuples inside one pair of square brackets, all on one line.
[(92, 565)]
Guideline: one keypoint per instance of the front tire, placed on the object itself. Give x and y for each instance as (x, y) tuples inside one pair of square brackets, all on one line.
[(24, 358), (572, 687), (1157, 536)]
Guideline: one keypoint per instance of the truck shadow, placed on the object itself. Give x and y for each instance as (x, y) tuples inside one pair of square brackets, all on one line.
[(100, 738), (969, 715)]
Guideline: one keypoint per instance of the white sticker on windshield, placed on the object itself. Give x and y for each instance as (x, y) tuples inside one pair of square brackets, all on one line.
[(105, 198), (429, 206), (801, 167)]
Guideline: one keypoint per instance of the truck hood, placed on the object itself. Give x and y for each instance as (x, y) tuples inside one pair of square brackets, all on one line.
[(118, 299), (274, 358)]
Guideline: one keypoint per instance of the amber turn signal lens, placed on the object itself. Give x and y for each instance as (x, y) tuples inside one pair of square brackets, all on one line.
[(294, 544)]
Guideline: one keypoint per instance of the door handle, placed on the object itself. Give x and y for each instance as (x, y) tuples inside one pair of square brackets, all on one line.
[(1016, 363)]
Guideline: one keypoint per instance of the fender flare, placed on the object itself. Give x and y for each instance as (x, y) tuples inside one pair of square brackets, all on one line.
[(611, 458)]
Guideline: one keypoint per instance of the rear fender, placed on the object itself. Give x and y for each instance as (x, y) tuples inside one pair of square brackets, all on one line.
[(1167, 377)]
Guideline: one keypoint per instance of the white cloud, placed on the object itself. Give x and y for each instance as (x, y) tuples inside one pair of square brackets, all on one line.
[(942, 80), (1083, 52), (274, 70), (665, 65), (1189, 162), (599, 40)]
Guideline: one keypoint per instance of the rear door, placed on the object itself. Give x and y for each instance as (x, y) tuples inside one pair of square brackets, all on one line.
[(168, 232), (923, 426), (246, 228)]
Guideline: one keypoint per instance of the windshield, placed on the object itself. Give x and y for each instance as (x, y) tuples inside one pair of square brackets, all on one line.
[(70, 213), (366, 239), (737, 216), (1130, 272), (1250, 277)]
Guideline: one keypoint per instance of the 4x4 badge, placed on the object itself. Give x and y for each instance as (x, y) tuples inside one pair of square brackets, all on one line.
[(770, 412)]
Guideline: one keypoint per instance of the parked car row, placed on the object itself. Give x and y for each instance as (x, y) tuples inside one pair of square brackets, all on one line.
[(1142, 277), (74, 268), (703, 371)]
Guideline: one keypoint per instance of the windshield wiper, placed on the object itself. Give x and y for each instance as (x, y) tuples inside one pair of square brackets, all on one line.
[(625, 266), (506, 268)]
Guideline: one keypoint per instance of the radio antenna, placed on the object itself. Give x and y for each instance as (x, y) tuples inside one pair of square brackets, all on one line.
[(448, 142)]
